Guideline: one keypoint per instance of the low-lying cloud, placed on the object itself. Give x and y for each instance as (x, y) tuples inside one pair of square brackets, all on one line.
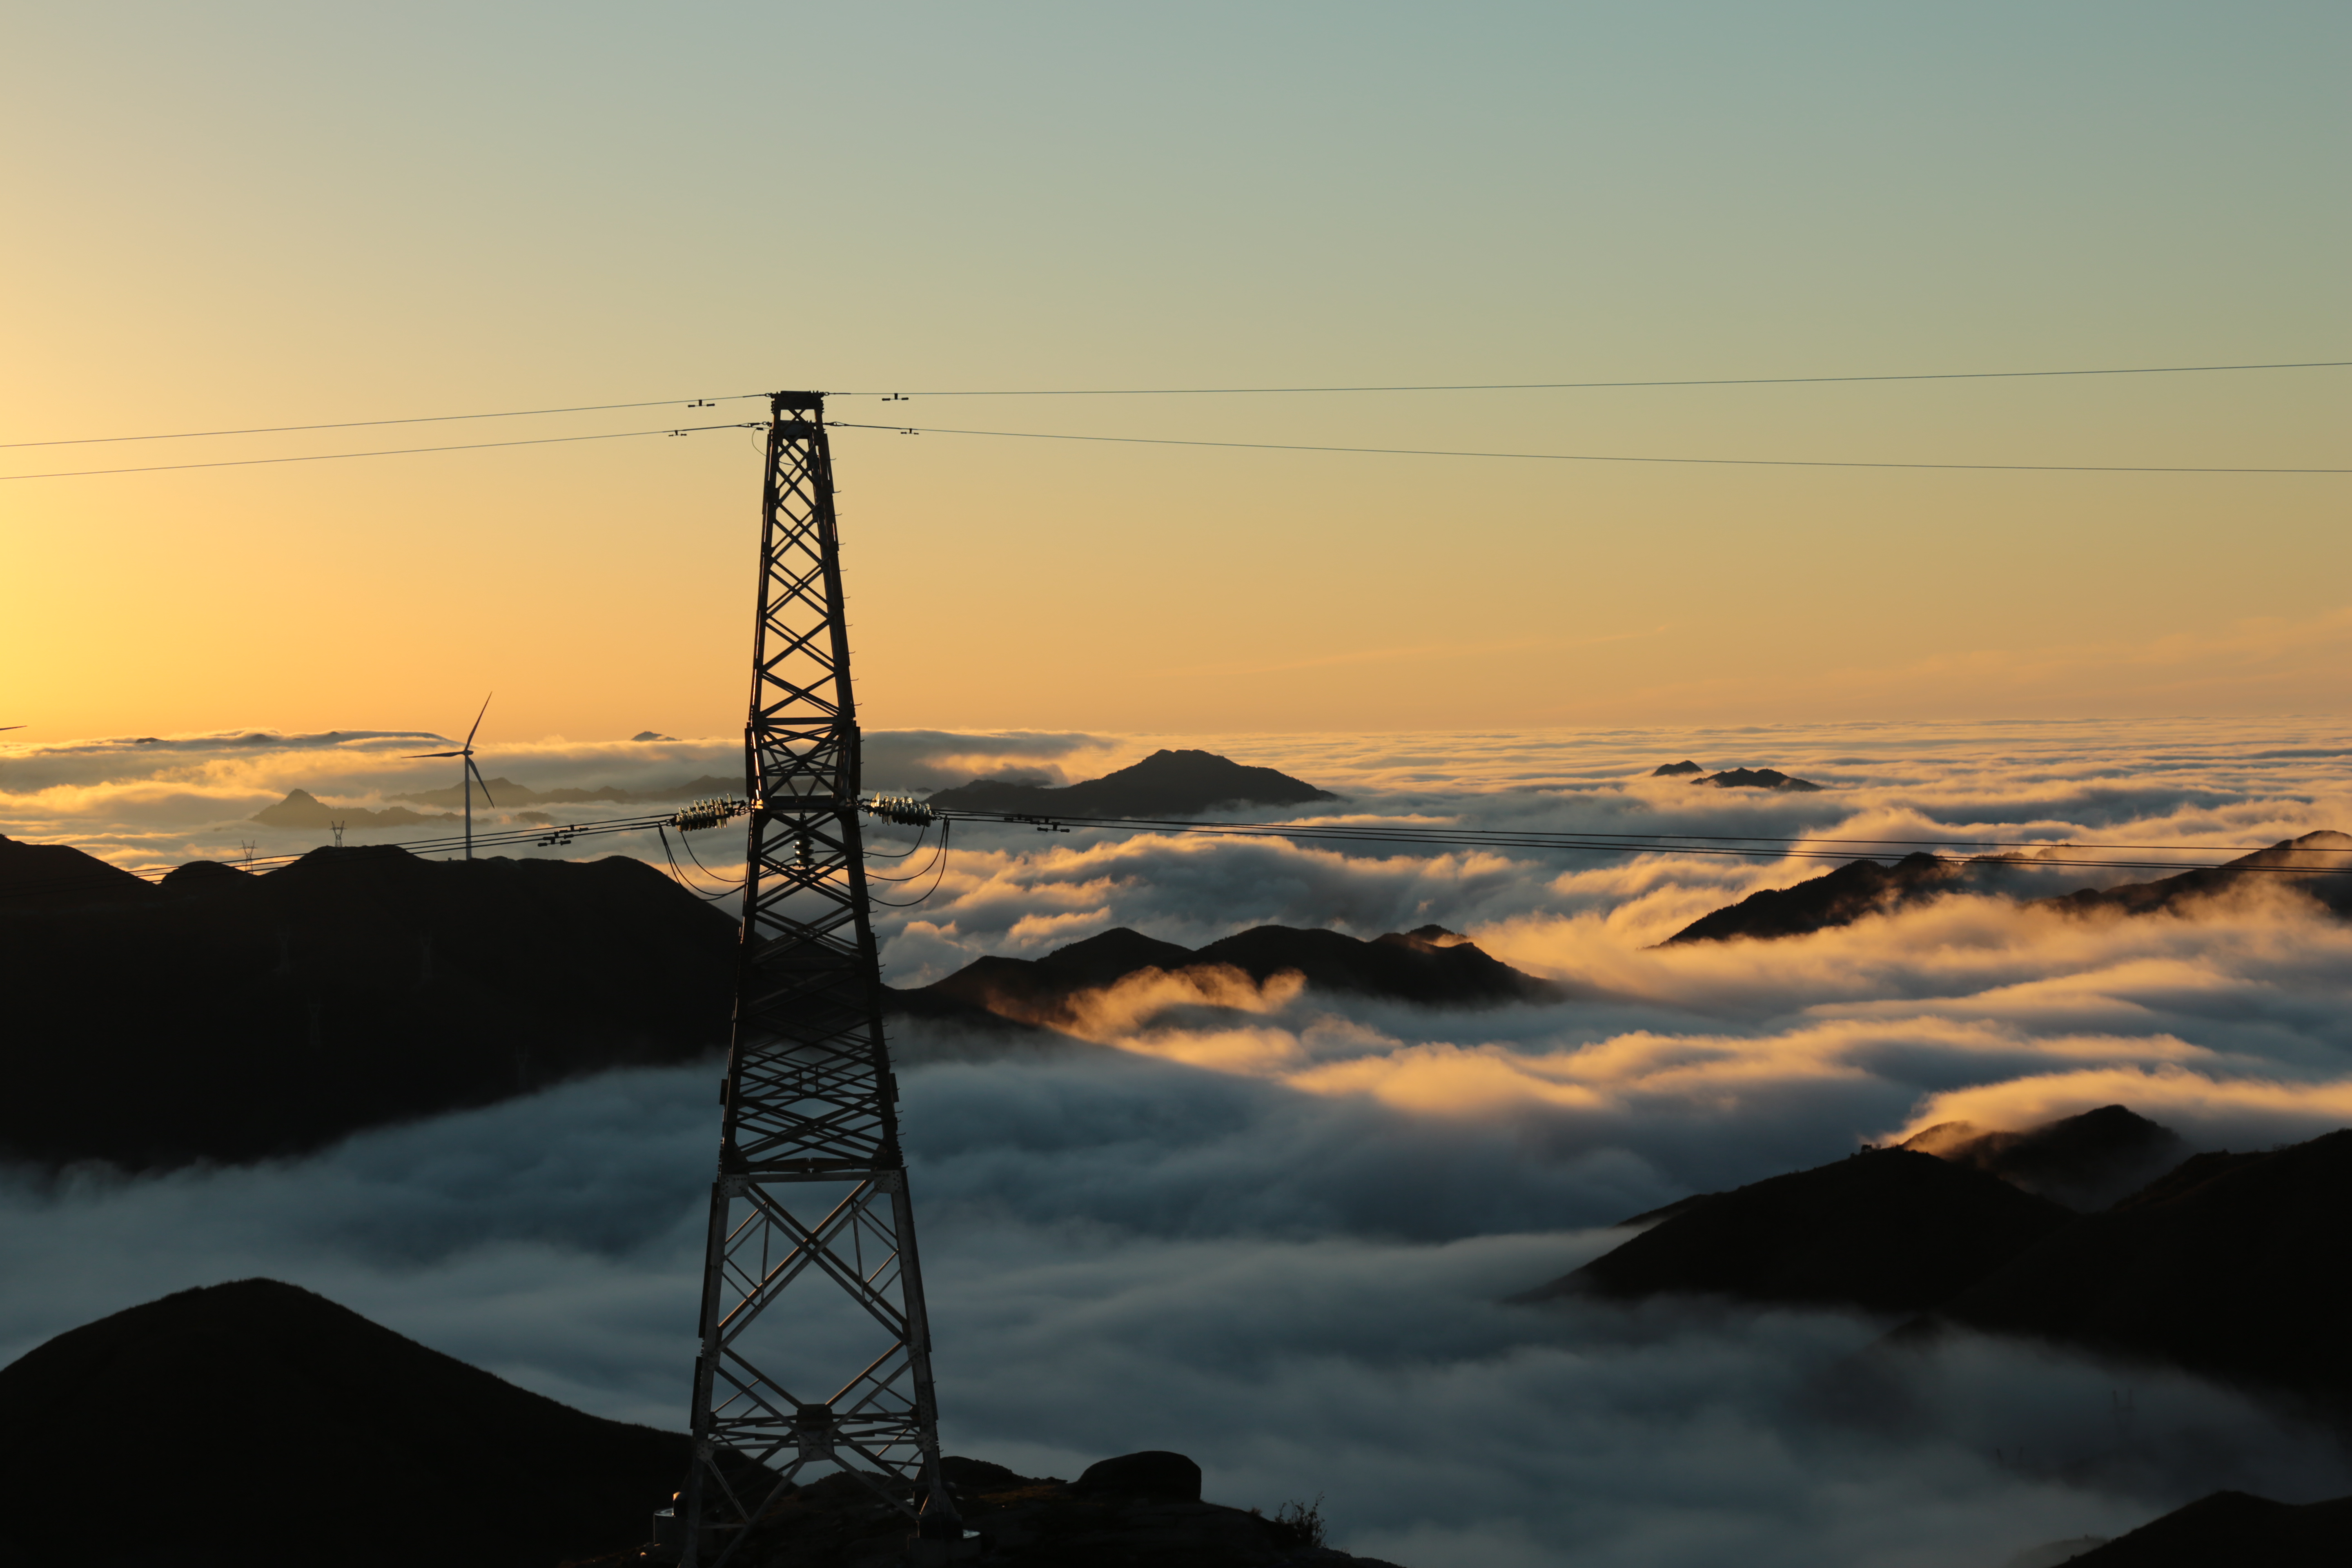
[(1303, 1291)]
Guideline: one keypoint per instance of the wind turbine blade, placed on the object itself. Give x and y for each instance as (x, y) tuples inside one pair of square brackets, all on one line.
[(435, 753), (10, 726), (479, 780), (478, 722)]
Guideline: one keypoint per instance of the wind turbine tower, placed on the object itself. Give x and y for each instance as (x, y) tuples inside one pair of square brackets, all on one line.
[(469, 776), (815, 1346)]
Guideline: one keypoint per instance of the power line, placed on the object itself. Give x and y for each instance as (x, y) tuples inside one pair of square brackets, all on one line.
[(1589, 457), (1181, 392), (1171, 441), (386, 452), (1578, 385), (416, 419), (1630, 843)]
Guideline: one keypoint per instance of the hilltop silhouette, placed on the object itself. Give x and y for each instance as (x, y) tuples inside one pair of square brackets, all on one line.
[(1888, 1230), (1165, 783), (274, 1427), (59, 877)]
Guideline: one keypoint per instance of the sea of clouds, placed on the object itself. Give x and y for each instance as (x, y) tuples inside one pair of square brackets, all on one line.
[(1275, 1230)]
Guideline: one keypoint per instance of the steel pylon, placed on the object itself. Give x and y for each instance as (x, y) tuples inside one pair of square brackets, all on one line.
[(815, 1348)]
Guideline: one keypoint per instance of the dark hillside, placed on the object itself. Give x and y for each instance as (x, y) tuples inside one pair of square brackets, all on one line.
[(2231, 1530), (256, 1423), (227, 1017), (2326, 852), (1887, 1230), (2231, 1266), (2234, 1266)]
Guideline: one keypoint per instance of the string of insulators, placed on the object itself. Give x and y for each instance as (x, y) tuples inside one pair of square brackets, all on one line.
[(903, 809), (702, 814)]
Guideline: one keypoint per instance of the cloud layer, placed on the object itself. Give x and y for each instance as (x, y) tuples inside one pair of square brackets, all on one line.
[(1273, 1227)]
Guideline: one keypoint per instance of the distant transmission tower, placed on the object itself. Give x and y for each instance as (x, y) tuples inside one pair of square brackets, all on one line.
[(815, 1344)]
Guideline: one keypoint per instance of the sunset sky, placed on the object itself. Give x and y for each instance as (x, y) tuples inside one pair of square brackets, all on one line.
[(240, 216)]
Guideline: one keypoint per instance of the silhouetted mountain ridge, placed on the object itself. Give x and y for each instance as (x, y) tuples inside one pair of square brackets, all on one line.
[(1869, 887), (1431, 965), (1840, 898), (2236, 1273), (2228, 1265)]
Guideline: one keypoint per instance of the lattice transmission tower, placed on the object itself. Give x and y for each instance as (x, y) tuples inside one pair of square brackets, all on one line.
[(815, 1344)]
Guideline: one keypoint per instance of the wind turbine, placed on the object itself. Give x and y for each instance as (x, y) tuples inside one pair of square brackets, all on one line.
[(469, 776)]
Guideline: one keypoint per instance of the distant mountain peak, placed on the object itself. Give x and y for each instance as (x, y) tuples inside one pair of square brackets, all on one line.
[(1732, 778), (1756, 778), (300, 808), (1165, 783)]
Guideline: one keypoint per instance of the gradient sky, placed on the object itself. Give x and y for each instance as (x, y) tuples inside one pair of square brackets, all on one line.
[(257, 214)]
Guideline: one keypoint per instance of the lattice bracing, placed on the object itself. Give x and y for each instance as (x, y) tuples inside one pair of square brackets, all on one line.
[(815, 1348)]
